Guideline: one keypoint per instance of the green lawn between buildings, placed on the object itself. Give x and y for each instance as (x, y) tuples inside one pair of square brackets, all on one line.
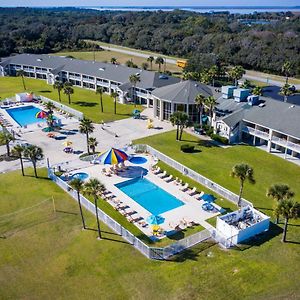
[(51, 258), (83, 100)]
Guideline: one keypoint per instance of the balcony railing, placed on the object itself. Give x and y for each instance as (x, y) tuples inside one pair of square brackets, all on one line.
[(285, 143), (256, 132)]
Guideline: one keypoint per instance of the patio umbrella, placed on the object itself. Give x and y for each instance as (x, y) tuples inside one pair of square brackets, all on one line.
[(208, 198), (155, 220), (136, 112), (112, 157), (67, 143), (41, 115)]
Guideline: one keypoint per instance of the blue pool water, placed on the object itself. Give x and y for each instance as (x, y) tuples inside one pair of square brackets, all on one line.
[(80, 175), (149, 195), (138, 160), (25, 115)]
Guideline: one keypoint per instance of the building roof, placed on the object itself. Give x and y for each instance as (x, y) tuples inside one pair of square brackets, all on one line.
[(280, 116), (182, 92), (118, 73), (233, 118)]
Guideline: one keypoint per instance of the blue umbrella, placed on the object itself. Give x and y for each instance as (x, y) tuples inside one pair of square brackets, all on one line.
[(155, 220), (208, 198)]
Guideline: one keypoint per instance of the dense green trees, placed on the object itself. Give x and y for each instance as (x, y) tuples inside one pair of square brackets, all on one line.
[(204, 39)]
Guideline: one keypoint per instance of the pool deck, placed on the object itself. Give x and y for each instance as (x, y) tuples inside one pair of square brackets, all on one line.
[(191, 211)]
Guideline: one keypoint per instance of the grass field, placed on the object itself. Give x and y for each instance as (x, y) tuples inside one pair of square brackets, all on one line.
[(273, 77), (53, 258), (106, 55), (83, 100)]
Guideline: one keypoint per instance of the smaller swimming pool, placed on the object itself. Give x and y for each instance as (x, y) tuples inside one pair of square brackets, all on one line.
[(79, 175), (138, 160)]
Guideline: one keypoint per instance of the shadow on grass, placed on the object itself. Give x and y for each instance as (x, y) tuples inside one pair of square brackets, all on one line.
[(207, 144), (66, 212), (39, 177), (120, 240), (192, 253), (85, 104), (45, 91), (274, 230)]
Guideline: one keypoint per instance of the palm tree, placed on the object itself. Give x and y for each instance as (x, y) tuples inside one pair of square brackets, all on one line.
[(205, 77), (92, 142), (180, 119), (68, 90), (257, 91), (100, 91), (199, 101), (236, 73), (286, 70), (33, 153), (18, 150), (86, 126), (279, 192), (145, 66), (246, 84), (286, 91), (213, 71), (134, 79), (93, 188), (114, 95), (159, 61), (58, 85), (21, 73), (210, 102), (113, 60), (289, 210), (50, 120), (150, 59), (77, 184), (242, 172), (50, 106), (6, 138)]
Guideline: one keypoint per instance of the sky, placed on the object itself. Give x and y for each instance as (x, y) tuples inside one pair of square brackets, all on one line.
[(148, 3)]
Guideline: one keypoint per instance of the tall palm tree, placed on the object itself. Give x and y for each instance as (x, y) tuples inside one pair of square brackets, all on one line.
[(33, 153), (100, 91), (286, 70), (68, 90), (257, 91), (93, 188), (213, 71), (50, 120), (279, 192), (18, 150), (200, 101), (210, 102), (236, 73), (246, 84), (145, 66), (205, 77), (150, 59), (58, 85), (286, 91), (92, 142), (113, 60), (77, 184), (86, 126), (50, 106), (159, 61), (6, 138), (180, 119), (134, 79), (242, 172), (289, 210), (21, 73), (114, 95)]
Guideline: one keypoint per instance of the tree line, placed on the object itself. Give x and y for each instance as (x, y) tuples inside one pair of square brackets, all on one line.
[(202, 38)]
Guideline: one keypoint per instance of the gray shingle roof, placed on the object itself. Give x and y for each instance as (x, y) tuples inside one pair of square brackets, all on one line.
[(182, 92), (234, 118), (118, 73)]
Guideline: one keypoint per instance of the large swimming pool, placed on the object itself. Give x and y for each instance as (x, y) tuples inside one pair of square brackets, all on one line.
[(25, 115), (149, 195)]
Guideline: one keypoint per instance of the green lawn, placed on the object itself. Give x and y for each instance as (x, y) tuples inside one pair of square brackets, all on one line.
[(83, 100), (52, 258)]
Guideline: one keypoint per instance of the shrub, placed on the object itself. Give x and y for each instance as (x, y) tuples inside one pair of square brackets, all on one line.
[(187, 148), (219, 138)]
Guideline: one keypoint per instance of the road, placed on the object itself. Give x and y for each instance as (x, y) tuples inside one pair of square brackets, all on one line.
[(134, 53)]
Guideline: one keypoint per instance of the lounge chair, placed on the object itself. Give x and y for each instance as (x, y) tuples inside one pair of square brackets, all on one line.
[(184, 187), (157, 171), (163, 174), (169, 178), (192, 191), (143, 224)]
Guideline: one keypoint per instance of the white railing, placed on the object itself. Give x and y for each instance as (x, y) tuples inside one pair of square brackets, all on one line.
[(77, 114), (194, 175), (149, 252), (256, 132)]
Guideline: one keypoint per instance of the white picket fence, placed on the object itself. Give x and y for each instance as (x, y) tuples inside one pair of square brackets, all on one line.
[(193, 175), (149, 252)]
